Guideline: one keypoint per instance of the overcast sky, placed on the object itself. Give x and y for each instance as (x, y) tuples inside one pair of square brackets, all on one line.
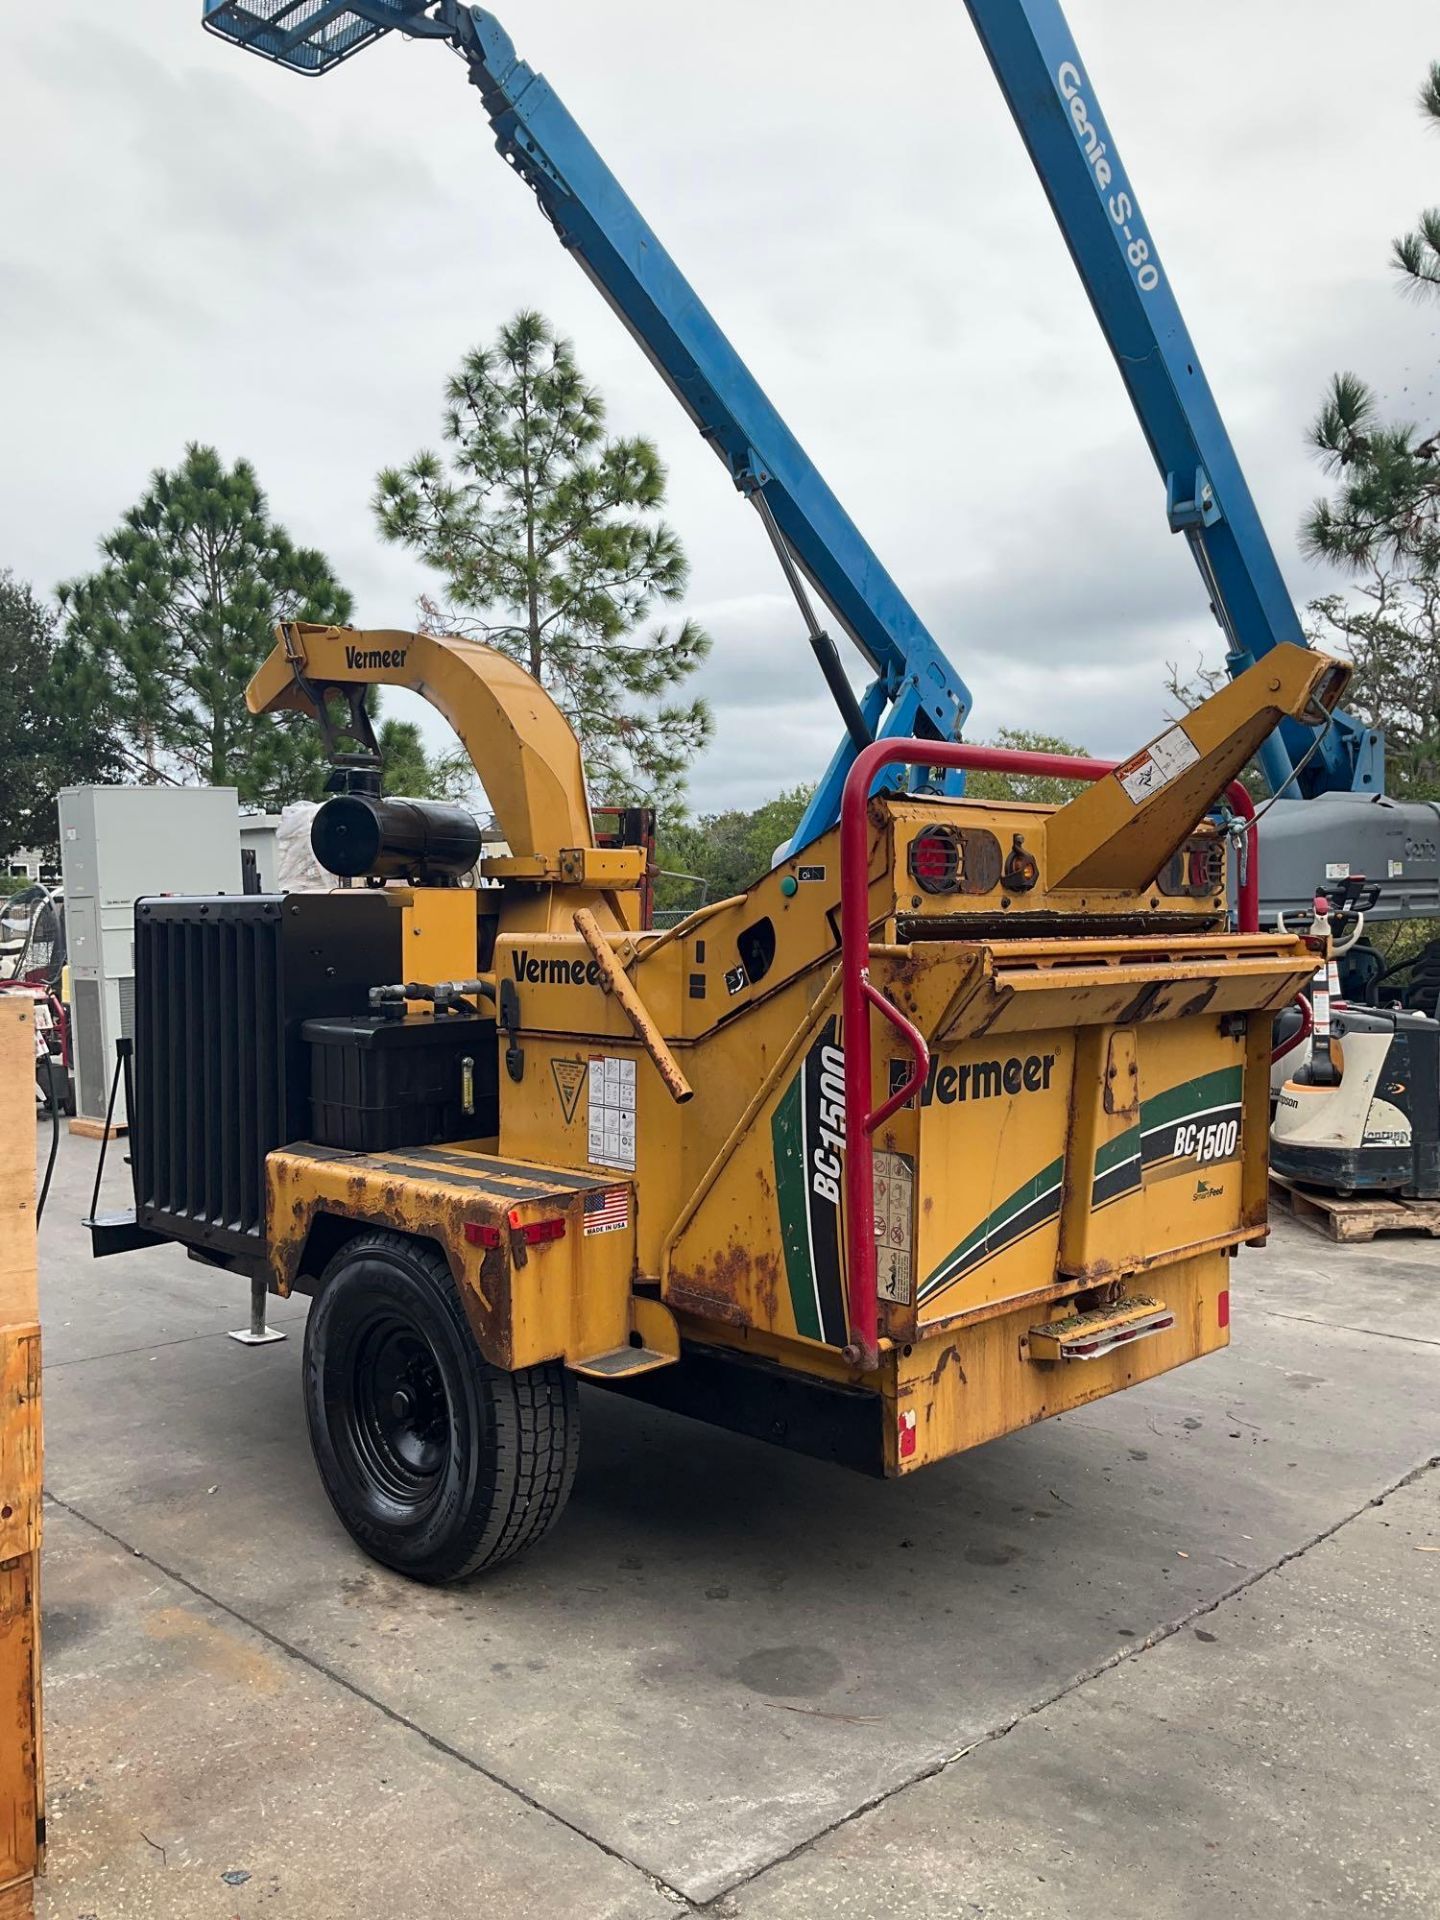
[(196, 245)]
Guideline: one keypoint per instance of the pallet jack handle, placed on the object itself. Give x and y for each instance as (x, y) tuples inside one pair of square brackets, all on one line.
[(858, 993)]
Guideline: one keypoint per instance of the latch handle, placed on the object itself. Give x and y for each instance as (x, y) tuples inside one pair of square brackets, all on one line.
[(614, 979)]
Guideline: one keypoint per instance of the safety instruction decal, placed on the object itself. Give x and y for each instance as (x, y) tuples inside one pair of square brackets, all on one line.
[(894, 1226), (607, 1211), (1157, 765), (612, 1111)]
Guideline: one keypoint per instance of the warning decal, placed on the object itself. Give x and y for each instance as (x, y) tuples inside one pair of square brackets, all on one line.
[(894, 1226), (569, 1079), (1157, 765)]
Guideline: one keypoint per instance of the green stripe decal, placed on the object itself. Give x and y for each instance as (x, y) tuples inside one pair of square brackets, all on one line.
[(1117, 1168), (1028, 1207), (1117, 1172), (1125, 1146), (1222, 1088), (786, 1134)]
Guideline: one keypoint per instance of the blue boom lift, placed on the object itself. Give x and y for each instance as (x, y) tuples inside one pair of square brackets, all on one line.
[(916, 689)]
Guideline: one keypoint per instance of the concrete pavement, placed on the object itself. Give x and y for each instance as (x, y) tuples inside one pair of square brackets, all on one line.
[(1160, 1656)]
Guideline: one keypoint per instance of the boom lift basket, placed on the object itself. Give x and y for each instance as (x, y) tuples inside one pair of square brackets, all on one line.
[(308, 36)]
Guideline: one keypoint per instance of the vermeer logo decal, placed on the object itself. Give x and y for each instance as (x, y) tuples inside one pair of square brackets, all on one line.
[(372, 659), (553, 973), (978, 1079)]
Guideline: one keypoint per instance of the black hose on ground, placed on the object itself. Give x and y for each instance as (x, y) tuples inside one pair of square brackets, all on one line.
[(54, 1138)]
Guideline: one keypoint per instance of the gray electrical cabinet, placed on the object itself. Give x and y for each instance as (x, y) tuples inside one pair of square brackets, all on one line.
[(117, 844)]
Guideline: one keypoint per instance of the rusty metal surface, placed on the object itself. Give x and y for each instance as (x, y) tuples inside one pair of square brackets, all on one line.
[(525, 1304)]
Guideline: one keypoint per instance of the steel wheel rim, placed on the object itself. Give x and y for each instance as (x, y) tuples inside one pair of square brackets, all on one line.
[(396, 1411)]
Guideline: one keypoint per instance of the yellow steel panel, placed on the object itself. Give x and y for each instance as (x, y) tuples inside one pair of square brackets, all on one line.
[(1108, 836), (974, 1383), (439, 939), (559, 1300)]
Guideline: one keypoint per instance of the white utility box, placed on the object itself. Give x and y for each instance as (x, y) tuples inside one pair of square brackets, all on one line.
[(118, 844)]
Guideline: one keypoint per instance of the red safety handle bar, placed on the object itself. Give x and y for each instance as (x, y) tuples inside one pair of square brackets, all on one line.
[(858, 993)]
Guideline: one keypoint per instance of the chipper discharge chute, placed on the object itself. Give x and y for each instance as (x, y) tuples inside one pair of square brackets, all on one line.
[(950, 1122)]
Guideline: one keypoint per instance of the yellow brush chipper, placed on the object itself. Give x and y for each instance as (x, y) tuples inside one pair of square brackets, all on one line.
[(950, 1123)]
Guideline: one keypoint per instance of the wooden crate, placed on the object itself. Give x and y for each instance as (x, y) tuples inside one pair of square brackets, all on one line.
[(21, 1769), (1357, 1219)]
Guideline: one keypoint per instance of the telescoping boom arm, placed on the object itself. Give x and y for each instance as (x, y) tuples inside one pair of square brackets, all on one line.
[(916, 689), (1049, 92)]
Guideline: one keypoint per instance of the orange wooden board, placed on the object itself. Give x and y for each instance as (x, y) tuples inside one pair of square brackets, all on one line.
[(20, 1762)]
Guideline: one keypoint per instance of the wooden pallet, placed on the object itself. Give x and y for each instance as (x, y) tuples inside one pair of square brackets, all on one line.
[(1358, 1219), (21, 1775)]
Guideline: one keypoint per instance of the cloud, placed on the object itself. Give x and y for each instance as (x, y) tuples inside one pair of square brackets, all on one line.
[(199, 246)]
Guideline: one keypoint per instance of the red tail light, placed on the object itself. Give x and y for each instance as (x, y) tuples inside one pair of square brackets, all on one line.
[(481, 1234), (535, 1233), (935, 860), (1222, 1307)]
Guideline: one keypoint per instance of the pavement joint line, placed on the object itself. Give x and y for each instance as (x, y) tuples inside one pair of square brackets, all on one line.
[(1340, 1326), (928, 1771), (318, 1666), (1121, 1657), (146, 1346)]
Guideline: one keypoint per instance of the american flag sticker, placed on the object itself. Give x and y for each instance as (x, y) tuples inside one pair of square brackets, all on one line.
[(607, 1211)]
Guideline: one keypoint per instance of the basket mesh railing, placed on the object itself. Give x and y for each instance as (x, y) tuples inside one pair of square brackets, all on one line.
[(309, 36)]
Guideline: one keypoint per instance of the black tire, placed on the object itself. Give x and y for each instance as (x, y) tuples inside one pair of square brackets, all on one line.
[(437, 1463)]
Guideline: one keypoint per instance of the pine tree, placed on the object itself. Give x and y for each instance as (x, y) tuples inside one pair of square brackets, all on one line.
[(419, 775), (1417, 254), (549, 537), (53, 729), (1382, 527), (1386, 510), (178, 617)]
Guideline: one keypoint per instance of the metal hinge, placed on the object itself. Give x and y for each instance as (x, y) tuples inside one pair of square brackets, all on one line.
[(1190, 503)]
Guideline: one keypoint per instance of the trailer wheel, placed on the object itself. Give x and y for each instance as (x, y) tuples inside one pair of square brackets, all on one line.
[(436, 1462)]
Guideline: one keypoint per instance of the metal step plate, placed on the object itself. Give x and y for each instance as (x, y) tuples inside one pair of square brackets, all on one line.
[(621, 1363), (1090, 1336)]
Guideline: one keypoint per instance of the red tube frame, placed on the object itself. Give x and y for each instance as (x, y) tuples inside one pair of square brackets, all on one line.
[(858, 993), (1307, 1027)]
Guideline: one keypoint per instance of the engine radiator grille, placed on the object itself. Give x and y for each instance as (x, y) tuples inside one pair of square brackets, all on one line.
[(222, 987)]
